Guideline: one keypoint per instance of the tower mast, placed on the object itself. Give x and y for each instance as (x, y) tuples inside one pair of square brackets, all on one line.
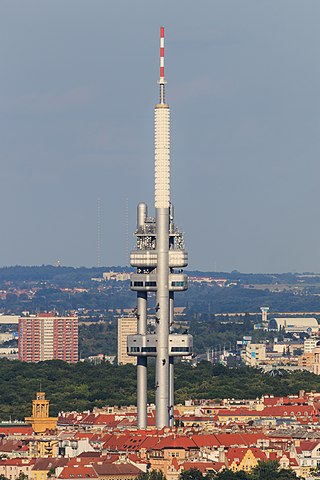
[(162, 204)]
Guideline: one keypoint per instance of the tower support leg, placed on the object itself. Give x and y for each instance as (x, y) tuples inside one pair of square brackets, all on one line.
[(142, 400), (171, 392), (171, 363)]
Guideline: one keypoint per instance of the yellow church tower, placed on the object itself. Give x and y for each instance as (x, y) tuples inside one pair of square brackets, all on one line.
[(40, 420)]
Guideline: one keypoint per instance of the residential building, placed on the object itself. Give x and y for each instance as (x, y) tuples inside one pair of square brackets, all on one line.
[(126, 326), (255, 353), (316, 364), (306, 361), (48, 337), (244, 458), (309, 344), (116, 276)]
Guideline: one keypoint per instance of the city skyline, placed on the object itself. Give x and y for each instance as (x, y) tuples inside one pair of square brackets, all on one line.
[(76, 103)]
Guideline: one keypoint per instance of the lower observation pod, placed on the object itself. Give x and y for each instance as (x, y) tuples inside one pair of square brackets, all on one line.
[(146, 345)]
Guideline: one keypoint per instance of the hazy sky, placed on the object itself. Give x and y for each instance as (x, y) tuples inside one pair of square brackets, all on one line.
[(77, 91)]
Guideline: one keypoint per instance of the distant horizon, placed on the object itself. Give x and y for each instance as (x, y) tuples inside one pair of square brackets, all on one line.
[(187, 270)]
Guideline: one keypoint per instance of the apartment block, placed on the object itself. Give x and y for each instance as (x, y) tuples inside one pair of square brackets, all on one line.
[(126, 326), (48, 337), (255, 353)]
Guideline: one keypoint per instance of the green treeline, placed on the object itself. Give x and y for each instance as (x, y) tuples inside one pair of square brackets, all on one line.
[(265, 470), (83, 386)]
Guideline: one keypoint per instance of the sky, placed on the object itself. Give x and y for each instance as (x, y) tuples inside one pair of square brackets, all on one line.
[(78, 85)]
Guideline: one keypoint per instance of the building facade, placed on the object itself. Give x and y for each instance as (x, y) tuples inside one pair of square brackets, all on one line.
[(309, 345), (40, 420), (48, 337), (126, 326), (255, 354)]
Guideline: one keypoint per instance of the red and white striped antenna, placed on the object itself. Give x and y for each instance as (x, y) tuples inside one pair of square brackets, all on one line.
[(162, 81)]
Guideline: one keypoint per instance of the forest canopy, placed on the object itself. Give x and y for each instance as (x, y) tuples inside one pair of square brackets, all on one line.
[(83, 386)]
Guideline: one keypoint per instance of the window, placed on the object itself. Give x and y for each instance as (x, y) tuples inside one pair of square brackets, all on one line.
[(135, 349), (151, 284), (180, 349), (177, 284), (138, 284), (148, 349)]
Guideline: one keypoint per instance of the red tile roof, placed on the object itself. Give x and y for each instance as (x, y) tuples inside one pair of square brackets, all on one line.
[(205, 440), (230, 439), (78, 471), (204, 467), (116, 469), (16, 430), (237, 454), (48, 463), (176, 442)]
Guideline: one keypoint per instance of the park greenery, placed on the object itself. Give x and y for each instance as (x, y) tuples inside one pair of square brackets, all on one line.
[(265, 470), (83, 386)]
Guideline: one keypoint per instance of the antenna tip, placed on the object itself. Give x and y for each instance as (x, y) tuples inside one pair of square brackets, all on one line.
[(161, 81)]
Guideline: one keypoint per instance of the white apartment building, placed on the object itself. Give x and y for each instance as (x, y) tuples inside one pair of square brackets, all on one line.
[(126, 326), (255, 353), (309, 344)]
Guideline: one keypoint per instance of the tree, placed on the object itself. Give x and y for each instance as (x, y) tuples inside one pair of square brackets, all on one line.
[(23, 476), (151, 475), (192, 474), (230, 475), (269, 470)]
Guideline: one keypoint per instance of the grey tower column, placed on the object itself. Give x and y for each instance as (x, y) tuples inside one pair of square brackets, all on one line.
[(171, 394), (171, 363), (142, 420), (162, 358)]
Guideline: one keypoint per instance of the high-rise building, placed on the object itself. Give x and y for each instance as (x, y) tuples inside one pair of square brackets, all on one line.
[(126, 326), (48, 337)]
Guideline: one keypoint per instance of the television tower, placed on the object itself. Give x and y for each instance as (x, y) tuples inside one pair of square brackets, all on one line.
[(159, 252)]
